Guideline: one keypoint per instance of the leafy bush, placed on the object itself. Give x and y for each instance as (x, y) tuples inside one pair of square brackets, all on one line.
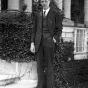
[(15, 33), (64, 51)]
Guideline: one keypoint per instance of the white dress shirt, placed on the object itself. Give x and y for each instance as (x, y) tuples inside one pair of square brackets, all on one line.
[(47, 10)]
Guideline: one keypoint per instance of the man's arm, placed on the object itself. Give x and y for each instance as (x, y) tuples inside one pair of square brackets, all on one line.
[(34, 28), (58, 26), (32, 47)]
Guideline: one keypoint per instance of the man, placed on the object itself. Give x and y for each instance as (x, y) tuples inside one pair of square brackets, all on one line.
[(47, 29)]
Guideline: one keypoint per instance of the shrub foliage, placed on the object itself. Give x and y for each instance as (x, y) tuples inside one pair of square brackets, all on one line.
[(15, 33), (64, 53)]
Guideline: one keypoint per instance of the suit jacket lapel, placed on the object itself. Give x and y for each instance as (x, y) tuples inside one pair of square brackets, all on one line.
[(40, 21), (50, 18)]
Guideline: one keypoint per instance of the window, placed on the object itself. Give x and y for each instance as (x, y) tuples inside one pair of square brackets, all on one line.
[(77, 11), (80, 40), (4, 4)]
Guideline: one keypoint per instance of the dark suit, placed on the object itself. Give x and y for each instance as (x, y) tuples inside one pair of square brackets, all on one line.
[(44, 44)]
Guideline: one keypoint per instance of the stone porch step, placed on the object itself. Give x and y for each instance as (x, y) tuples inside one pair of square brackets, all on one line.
[(22, 84)]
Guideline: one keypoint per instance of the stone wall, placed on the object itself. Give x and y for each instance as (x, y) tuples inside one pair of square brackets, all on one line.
[(27, 71)]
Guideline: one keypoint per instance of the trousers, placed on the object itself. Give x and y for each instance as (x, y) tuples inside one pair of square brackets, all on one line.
[(45, 56)]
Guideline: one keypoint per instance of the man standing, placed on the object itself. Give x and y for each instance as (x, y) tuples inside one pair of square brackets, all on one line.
[(47, 29)]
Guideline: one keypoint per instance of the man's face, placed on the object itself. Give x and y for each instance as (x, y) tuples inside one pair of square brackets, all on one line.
[(45, 4)]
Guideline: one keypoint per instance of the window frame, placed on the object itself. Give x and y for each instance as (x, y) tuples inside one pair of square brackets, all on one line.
[(84, 43)]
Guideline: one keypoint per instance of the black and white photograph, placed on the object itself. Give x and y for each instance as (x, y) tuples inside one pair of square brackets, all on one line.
[(43, 43)]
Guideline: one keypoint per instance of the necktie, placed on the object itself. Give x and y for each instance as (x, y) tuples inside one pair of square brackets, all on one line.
[(44, 13)]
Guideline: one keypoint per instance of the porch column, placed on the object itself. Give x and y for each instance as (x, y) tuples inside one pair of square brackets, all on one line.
[(59, 3), (13, 5), (67, 8), (29, 5), (86, 12), (0, 5)]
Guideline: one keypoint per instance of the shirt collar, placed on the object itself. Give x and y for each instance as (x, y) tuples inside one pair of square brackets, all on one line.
[(47, 10)]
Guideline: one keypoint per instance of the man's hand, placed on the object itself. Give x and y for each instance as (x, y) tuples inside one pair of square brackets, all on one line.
[(32, 48), (54, 40)]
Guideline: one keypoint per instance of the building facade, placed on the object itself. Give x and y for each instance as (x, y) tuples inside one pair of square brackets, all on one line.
[(75, 24)]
